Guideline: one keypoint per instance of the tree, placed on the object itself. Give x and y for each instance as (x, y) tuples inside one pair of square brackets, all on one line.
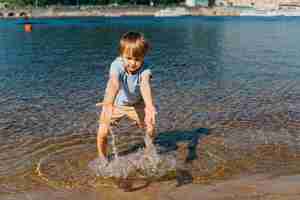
[(211, 3), (89, 2)]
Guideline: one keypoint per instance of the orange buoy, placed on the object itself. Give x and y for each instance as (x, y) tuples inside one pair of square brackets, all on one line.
[(27, 27)]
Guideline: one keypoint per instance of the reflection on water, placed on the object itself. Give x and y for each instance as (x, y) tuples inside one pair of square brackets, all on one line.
[(209, 72)]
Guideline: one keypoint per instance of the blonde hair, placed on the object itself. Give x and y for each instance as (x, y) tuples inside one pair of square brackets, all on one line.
[(133, 44)]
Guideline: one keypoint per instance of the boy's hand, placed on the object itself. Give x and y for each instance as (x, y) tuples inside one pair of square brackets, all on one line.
[(150, 112)]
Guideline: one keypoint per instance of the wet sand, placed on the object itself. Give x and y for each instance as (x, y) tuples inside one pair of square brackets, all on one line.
[(261, 186)]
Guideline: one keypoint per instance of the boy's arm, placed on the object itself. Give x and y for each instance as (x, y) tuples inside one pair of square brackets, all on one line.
[(111, 89), (109, 98), (146, 92)]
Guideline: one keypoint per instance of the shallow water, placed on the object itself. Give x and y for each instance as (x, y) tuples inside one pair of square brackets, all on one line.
[(207, 71)]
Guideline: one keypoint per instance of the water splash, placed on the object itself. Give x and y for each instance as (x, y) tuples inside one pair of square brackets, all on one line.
[(145, 163), (114, 145)]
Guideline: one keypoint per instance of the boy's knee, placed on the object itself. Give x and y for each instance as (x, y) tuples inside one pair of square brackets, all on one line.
[(102, 138)]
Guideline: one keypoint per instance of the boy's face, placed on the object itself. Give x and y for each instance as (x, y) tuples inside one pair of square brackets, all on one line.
[(132, 64)]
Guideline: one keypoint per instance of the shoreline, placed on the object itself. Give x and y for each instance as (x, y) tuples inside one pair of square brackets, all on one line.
[(114, 11), (139, 11)]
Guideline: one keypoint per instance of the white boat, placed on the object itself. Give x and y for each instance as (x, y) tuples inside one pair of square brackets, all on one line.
[(290, 12), (264, 13)]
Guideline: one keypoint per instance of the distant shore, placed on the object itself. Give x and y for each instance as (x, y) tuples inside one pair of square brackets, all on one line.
[(111, 11)]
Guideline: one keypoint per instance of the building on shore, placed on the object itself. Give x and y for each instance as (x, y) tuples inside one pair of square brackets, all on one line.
[(192, 3), (260, 4), (249, 4), (289, 4)]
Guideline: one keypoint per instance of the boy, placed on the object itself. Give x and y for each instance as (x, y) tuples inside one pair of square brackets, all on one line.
[(128, 92)]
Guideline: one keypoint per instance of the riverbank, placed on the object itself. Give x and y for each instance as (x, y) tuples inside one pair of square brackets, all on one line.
[(158, 11)]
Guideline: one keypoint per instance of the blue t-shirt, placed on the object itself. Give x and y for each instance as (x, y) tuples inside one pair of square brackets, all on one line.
[(129, 84)]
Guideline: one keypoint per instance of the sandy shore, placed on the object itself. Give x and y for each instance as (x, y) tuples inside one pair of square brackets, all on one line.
[(262, 186)]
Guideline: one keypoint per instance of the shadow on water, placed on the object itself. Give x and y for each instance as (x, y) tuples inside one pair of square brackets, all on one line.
[(127, 185), (185, 144), (170, 141)]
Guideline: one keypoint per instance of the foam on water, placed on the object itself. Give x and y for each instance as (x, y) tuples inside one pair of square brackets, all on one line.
[(144, 163)]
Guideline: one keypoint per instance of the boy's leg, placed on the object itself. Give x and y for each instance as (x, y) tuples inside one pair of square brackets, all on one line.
[(102, 140), (103, 131)]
